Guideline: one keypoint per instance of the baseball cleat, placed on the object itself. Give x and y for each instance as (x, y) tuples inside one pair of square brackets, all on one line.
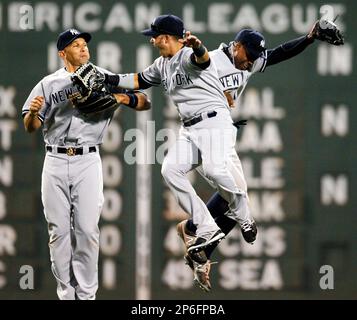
[(187, 236), (201, 275), (249, 231), (201, 243), (198, 256)]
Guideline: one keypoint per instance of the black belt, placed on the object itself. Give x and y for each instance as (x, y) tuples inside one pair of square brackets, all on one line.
[(199, 118), (71, 151)]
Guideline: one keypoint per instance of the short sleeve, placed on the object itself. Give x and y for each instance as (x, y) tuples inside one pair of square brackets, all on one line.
[(36, 91), (151, 74)]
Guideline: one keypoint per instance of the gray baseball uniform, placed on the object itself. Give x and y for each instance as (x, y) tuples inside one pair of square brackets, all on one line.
[(210, 142), (234, 82), (72, 185), (232, 79)]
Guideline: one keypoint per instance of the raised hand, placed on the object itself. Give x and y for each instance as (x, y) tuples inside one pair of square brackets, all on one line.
[(190, 40)]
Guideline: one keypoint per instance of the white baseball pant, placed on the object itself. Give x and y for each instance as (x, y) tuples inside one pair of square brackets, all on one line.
[(209, 143), (72, 190)]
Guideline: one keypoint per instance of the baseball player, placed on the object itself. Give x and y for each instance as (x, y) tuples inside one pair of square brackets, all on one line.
[(72, 184), (207, 135), (236, 63)]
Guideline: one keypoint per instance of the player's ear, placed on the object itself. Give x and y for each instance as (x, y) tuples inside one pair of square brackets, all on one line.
[(166, 38), (61, 54)]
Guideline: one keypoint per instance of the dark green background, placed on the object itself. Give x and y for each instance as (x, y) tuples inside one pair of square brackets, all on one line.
[(315, 234)]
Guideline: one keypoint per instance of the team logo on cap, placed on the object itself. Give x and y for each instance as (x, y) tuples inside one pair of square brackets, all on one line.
[(74, 31), (262, 43)]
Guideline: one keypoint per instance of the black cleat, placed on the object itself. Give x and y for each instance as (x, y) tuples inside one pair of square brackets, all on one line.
[(201, 243), (249, 231), (198, 256)]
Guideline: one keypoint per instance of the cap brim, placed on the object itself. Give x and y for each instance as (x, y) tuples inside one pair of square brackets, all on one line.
[(85, 35), (150, 33)]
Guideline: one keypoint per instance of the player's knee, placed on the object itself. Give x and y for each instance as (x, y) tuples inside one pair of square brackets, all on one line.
[(58, 235), (87, 240)]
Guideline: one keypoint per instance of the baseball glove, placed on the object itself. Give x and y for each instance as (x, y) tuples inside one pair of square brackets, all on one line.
[(92, 94), (327, 31)]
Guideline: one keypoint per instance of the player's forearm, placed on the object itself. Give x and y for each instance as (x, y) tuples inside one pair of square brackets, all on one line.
[(229, 99), (31, 122), (143, 102), (137, 101), (201, 56), (125, 81), (288, 50)]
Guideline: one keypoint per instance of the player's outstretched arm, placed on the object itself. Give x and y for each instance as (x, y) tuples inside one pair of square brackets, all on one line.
[(31, 120), (126, 81), (130, 81), (322, 30), (288, 50)]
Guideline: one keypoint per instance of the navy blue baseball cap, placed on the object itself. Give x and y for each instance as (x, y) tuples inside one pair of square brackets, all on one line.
[(165, 24), (253, 42), (68, 36)]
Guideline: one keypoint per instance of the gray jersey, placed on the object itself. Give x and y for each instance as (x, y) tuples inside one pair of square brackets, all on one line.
[(192, 89), (232, 79), (63, 124)]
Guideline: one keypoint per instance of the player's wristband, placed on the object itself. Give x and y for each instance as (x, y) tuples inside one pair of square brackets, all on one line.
[(133, 100), (200, 51)]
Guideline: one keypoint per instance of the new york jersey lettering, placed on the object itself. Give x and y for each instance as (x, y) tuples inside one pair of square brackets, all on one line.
[(61, 95), (182, 80), (231, 81)]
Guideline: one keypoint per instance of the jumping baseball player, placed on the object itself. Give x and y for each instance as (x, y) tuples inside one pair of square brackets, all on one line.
[(72, 184), (236, 63), (207, 136)]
